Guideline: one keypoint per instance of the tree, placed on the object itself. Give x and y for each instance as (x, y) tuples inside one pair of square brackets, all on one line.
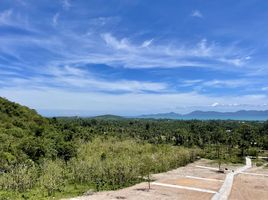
[(52, 178), (246, 137), (146, 167)]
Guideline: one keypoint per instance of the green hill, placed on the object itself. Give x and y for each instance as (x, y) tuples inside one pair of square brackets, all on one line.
[(108, 117), (13, 110), (26, 136)]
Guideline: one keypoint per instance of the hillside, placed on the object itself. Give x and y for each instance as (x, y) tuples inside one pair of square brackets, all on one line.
[(14, 114), (25, 136), (108, 117)]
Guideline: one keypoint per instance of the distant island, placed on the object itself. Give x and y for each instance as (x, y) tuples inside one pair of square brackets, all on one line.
[(208, 115)]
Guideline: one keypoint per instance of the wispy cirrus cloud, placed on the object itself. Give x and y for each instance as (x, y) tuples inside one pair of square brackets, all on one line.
[(147, 43), (227, 83), (5, 17), (244, 85), (197, 13), (66, 4), (11, 18), (105, 48), (55, 19), (150, 55), (77, 79), (73, 50)]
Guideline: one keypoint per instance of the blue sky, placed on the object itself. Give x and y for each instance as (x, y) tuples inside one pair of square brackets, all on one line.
[(90, 57)]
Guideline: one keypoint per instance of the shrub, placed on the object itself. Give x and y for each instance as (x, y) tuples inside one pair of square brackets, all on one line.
[(52, 178), (19, 178)]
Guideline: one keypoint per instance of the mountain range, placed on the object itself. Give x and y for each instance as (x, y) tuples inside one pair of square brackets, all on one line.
[(206, 115)]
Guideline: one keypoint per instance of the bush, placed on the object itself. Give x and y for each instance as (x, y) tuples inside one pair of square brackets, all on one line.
[(19, 178), (103, 164), (258, 164), (115, 164), (52, 178), (253, 152)]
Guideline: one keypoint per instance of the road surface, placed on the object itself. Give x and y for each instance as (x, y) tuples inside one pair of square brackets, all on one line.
[(226, 188)]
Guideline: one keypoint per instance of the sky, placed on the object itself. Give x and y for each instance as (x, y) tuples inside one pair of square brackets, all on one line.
[(132, 57)]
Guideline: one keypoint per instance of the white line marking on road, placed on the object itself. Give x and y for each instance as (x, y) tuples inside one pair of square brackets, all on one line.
[(263, 157), (206, 179), (204, 167), (253, 174), (185, 187)]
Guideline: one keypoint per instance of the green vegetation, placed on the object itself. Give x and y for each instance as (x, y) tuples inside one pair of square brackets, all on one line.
[(42, 158), (103, 164)]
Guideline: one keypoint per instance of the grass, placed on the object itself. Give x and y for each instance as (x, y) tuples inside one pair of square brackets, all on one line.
[(68, 191)]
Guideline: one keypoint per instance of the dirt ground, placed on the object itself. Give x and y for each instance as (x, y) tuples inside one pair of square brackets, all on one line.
[(250, 187), (140, 192), (177, 177), (179, 184), (214, 186)]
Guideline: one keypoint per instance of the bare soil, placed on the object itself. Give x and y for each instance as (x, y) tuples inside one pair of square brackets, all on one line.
[(210, 185), (249, 187), (174, 177), (245, 187)]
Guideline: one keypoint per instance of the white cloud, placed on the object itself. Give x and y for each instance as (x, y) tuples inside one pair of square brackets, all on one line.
[(102, 21), (234, 61), (105, 48), (55, 19), (114, 43), (257, 71), (228, 83), (106, 86), (166, 55), (187, 83), (14, 19), (222, 85), (196, 13), (68, 49), (124, 104), (264, 88), (240, 105), (228, 105), (215, 104), (147, 43), (66, 4), (5, 17), (83, 79), (75, 78)]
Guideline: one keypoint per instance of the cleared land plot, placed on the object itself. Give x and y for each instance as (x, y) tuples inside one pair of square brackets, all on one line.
[(258, 170), (210, 185), (195, 170), (177, 177), (187, 183), (156, 193), (249, 187)]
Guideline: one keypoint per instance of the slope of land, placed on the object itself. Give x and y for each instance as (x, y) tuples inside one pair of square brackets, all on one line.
[(189, 182), (199, 180)]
